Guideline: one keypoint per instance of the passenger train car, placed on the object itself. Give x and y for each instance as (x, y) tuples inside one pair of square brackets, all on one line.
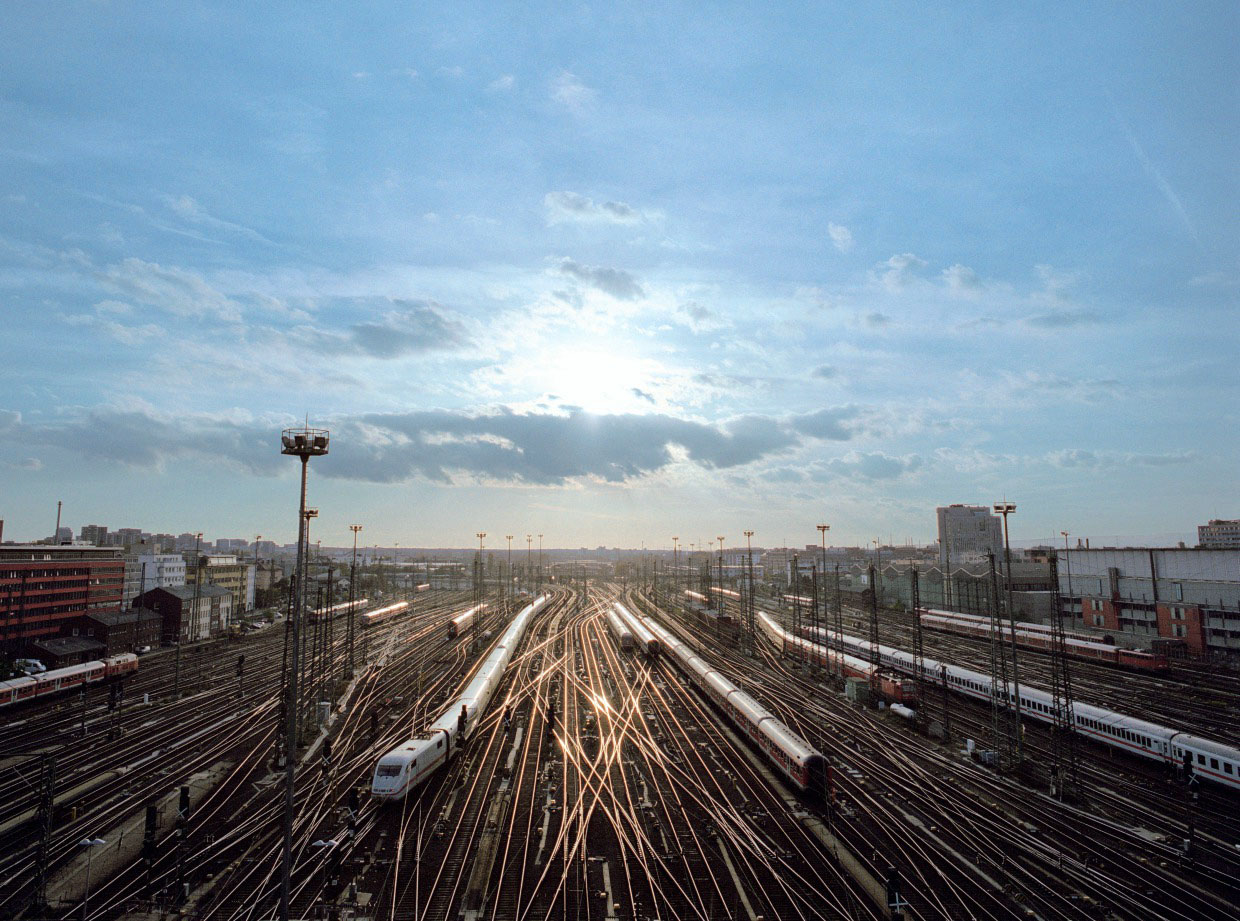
[(388, 610), (464, 620), (621, 631), (795, 758), (646, 641), (1040, 636), (892, 687), (411, 762), (62, 679), (337, 610), (1210, 760)]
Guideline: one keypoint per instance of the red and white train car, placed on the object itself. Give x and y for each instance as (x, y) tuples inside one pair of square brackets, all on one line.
[(63, 679), (891, 686), (1039, 636)]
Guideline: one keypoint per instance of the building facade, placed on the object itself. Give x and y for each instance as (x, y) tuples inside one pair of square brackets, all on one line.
[(1187, 597), (45, 589), (190, 612), (967, 533), (226, 571), (1219, 534), (145, 570), (124, 631)]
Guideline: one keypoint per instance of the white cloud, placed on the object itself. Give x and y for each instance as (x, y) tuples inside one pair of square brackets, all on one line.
[(616, 282), (502, 84), (175, 290), (960, 279), (454, 71), (568, 90), (126, 335), (569, 207), (900, 270), (841, 237)]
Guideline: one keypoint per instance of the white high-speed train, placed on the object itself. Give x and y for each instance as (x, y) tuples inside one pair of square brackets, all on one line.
[(1210, 760), (409, 763)]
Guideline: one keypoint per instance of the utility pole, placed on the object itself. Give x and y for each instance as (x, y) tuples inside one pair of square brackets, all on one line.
[(676, 569), (1000, 704), (478, 583), (1065, 772), (1006, 508), (176, 672), (875, 685), (750, 624), (1067, 565), (44, 810), (529, 562), (540, 564), (508, 582), (720, 594), (839, 625), (304, 444), (352, 594), (915, 597), (822, 569)]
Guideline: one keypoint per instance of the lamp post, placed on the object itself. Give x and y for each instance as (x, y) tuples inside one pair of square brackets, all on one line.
[(176, 672), (749, 612), (303, 443), (90, 844), (675, 565), (1067, 564), (529, 559), (540, 564), (481, 591), (257, 538), (822, 571), (352, 593), (1006, 508), (719, 594), (508, 579)]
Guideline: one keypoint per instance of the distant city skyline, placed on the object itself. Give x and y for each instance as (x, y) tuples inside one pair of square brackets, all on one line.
[(617, 274)]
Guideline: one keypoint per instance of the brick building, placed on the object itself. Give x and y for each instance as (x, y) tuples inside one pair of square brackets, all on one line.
[(124, 631), (1187, 597), (180, 617), (46, 589)]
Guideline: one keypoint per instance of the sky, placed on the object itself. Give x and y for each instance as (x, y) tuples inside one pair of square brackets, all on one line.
[(615, 273)]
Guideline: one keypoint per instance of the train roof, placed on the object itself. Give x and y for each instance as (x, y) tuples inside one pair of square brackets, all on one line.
[(788, 741)]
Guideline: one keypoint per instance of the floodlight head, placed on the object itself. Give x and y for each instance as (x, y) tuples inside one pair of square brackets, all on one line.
[(1005, 508), (304, 442)]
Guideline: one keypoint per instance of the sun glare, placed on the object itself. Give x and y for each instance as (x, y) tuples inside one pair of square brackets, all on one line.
[(597, 380)]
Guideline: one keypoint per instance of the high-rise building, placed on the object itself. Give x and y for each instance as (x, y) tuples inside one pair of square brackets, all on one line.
[(967, 533), (95, 534), (1219, 534)]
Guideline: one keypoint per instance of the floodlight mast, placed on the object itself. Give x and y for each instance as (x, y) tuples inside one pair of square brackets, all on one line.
[(304, 443)]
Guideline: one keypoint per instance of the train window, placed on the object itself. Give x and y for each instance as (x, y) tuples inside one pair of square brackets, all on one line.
[(439, 744), (1214, 763), (1226, 767), (1201, 759)]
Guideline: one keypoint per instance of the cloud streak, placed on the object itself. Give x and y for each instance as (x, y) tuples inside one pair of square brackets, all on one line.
[(499, 446)]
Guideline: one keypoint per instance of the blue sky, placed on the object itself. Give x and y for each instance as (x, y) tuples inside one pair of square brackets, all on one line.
[(617, 274)]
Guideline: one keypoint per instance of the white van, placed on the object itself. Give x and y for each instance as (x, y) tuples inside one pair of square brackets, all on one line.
[(31, 666)]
